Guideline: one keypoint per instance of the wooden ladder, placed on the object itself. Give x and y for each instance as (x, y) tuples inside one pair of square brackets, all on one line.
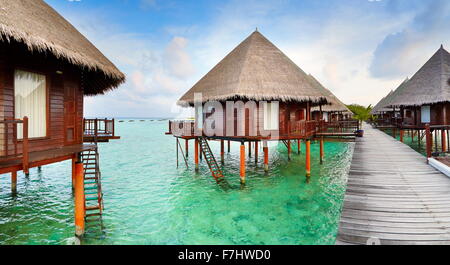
[(92, 185), (216, 172)]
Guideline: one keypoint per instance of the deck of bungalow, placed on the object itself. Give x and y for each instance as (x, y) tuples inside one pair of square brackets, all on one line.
[(393, 196)]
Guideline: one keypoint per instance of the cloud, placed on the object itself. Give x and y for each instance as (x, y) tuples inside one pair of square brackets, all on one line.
[(177, 60), (402, 53)]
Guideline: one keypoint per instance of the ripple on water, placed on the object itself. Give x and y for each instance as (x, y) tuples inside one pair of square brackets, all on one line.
[(149, 201)]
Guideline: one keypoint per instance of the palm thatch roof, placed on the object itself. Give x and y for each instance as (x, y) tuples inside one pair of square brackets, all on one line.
[(334, 104), (381, 105), (431, 84), (256, 70), (42, 29), (385, 104)]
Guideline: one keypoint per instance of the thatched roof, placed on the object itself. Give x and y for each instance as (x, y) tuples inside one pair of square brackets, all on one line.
[(257, 70), (431, 84), (385, 103), (42, 29), (381, 105), (334, 104)]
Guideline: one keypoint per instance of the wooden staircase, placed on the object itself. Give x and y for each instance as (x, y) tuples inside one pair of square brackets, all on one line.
[(92, 185), (216, 172)]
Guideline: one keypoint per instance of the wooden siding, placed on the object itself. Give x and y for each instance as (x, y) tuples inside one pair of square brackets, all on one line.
[(17, 57)]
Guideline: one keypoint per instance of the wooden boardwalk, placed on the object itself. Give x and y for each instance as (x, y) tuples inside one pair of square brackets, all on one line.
[(393, 196)]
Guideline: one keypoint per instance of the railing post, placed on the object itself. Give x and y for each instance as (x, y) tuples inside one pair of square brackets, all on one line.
[(96, 127), (428, 139), (113, 128), (25, 159)]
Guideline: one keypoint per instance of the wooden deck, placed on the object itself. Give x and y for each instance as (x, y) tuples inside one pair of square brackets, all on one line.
[(41, 158), (393, 196)]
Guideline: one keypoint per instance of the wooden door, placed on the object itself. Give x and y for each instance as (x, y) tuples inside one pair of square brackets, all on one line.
[(70, 113)]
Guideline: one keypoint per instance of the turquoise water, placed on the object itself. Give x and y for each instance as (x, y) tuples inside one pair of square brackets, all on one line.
[(149, 201), (407, 139)]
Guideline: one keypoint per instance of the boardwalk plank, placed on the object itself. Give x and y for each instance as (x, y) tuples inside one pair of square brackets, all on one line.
[(393, 196)]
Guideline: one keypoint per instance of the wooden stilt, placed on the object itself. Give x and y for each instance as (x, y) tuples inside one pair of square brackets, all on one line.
[(14, 182), (79, 199), (256, 152), (39, 169), (321, 150), (249, 149), (196, 147), (299, 146), (74, 160), (266, 156), (429, 139), (228, 146), (289, 149), (242, 166), (444, 141), (401, 135), (187, 147), (308, 158), (222, 151)]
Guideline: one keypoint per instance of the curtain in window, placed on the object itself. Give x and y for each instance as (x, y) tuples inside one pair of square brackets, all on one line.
[(30, 101), (271, 116)]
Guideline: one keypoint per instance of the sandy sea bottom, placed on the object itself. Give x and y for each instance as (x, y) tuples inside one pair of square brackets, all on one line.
[(149, 201)]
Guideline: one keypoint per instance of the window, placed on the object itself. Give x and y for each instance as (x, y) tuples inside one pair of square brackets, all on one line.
[(408, 113), (425, 114), (31, 101), (271, 116)]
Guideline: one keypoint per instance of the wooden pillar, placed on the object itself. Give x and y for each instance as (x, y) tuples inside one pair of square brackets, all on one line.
[(242, 165), (444, 140), (187, 147), (401, 135), (196, 147), (299, 146), (256, 152), (289, 149), (222, 151), (74, 160), (266, 156), (428, 139), (228, 146), (249, 149), (321, 150), (14, 182), (308, 158), (79, 199)]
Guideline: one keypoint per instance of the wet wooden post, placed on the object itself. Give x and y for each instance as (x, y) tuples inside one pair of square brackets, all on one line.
[(401, 135), (444, 141), (196, 153), (428, 141), (308, 158), (266, 156), (187, 147), (74, 160), (299, 146), (222, 151), (79, 199), (289, 149), (256, 152), (249, 149), (228, 146), (25, 154), (242, 164), (321, 150), (14, 182)]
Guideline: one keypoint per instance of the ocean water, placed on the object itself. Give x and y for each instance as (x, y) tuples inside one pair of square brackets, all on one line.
[(414, 144), (148, 200)]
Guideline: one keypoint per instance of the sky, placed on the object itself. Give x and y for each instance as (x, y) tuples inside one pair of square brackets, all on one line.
[(359, 49)]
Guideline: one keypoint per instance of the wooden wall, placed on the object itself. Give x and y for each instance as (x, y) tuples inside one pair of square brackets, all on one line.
[(15, 56)]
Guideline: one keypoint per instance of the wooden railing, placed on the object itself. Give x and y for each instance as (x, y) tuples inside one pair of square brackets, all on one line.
[(98, 127), (302, 128), (181, 127), (339, 126), (10, 146)]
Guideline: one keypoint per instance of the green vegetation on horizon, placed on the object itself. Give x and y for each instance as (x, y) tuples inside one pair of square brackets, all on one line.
[(361, 113)]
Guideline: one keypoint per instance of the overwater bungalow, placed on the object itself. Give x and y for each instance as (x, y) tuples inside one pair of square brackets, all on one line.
[(335, 111), (46, 68), (424, 100), (255, 94)]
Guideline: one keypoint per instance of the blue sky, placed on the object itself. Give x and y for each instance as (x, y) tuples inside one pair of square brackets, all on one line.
[(359, 49)]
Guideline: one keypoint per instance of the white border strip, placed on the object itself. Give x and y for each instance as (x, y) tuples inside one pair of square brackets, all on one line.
[(439, 166)]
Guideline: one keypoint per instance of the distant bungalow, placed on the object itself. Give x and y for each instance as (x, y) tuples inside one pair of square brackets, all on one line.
[(46, 68), (277, 101), (334, 111), (425, 98)]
